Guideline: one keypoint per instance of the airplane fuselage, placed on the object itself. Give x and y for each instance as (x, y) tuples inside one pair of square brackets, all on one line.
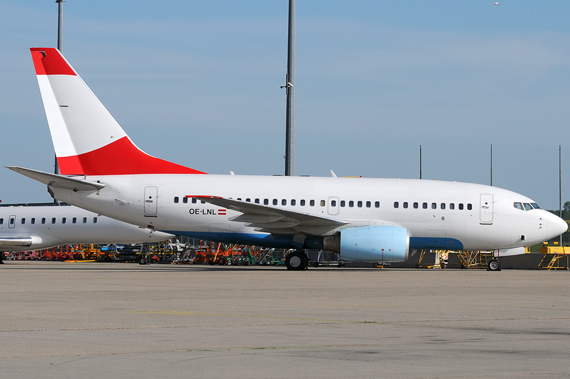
[(34, 227), (437, 214)]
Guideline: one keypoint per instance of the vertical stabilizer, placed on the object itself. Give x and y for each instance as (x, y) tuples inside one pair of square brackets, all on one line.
[(86, 138)]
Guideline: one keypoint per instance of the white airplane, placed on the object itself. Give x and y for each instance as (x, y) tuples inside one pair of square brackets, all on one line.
[(377, 220), (25, 227)]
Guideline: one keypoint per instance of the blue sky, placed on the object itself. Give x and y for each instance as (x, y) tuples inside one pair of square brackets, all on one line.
[(198, 83)]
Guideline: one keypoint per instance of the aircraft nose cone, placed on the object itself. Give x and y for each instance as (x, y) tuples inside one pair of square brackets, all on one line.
[(556, 226)]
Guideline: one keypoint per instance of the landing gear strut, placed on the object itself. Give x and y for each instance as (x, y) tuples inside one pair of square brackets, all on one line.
[(296, 260), (494, 265)]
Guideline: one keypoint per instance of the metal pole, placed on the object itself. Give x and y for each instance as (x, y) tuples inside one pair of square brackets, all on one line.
[(59, 47), (59, 23), (560, 184), (420, 161), (290, 87), (491, 165)]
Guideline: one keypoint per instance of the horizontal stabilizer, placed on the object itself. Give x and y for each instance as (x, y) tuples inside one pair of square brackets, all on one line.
[(57, 181)]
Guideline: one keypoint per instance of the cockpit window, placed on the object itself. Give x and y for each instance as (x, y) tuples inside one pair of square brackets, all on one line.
[(518, 206), (535, 206), (528, 207)]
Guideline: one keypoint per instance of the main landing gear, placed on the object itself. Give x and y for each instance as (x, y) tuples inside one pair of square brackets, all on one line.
[(494, 265), (297, 260)]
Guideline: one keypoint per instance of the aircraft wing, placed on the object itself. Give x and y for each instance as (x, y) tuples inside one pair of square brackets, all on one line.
[(273, 220), (59, 181)]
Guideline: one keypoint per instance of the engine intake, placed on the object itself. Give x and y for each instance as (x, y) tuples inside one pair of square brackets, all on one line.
[(376, 243)]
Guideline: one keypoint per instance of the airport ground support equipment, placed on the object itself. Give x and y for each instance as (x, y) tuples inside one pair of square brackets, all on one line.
[(555, 257)]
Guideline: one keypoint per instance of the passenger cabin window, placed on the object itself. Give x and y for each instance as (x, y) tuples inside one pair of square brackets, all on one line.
[(302, 203), (323, 203), (248, 200), (85, 220), (43, 220), (469, 206), (433, 206), (63, 220), (1, 221), (74, 220), (23, 220), (274, 201), (94, 220), (451, 206), (185, 200), (368, 204), (377, 204), (351, 203), (194, 200), (416, 205), (12, 221), (405, 204), (53, 220), (333, 203), (424, 205), (442, 205), (176, 199), (342, 203), (283, 202), (460, 206), (293, 202), (256, 201), (396, 204), (528, 207), (265, 201), (33, 220), (360, 204), (312, 203)]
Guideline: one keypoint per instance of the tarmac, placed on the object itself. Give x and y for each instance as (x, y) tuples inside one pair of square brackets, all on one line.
[(93, 320)]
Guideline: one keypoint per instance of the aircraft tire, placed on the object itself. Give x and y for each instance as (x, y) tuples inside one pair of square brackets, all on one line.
[(296, 260), (494, 265)]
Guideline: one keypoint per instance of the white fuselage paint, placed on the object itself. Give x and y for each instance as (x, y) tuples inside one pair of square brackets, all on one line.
[(484, 227), (47, 226)]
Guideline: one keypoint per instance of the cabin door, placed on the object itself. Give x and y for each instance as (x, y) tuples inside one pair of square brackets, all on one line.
[(486, 209), (12, 222), (150, 201)]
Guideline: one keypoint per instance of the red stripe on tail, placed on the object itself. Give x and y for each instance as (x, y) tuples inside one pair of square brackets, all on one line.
[(119, 158), (48, 61)]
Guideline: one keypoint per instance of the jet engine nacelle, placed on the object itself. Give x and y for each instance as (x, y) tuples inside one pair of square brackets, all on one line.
[(374, 243)]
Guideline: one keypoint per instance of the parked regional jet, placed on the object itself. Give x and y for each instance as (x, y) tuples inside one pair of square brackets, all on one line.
[(376, 220), (25, 227)]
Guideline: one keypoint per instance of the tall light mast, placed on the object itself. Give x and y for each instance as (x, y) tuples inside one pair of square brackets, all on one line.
[(290, 88), (59, 47)]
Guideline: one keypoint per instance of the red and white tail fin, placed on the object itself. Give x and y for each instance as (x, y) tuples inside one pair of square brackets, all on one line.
[(86, 138)]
